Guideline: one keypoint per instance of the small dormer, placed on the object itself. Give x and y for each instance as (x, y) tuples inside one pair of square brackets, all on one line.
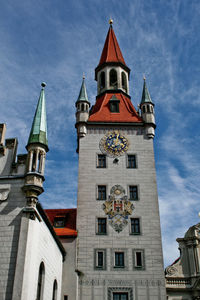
[(114, 104)]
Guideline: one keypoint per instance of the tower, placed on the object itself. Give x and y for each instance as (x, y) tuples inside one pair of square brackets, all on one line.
[(119, 251), (37, 147)]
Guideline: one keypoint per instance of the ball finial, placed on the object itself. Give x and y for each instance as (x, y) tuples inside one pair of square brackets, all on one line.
[(111, 21), (83, 75), (43, 84), (144, 77)]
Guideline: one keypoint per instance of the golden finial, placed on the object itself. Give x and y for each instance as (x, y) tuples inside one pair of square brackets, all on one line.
[(110, 21), (83, 75), (144, 77)]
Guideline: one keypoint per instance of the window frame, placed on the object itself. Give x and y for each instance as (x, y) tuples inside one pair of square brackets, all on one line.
[(112, 290), (98, 165), (117, 259), (135, 266), (98, 192), (132, 192), (97, 226), (112, 255), (131, 231), (127, 161), (96, 266)]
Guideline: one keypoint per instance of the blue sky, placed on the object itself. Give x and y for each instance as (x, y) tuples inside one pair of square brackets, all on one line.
[(56, 41)]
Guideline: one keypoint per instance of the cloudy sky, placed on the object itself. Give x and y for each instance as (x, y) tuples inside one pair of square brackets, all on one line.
[(56, 41)]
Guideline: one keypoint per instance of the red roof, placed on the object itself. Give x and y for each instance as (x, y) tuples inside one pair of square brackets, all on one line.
[(111, 50), (70, 217), (101, 110)]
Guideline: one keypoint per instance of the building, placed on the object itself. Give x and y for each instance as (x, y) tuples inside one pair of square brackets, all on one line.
[(110, 246), (183, 276)]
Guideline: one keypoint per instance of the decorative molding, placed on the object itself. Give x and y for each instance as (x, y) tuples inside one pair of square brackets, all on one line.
[(171, 270), (132, 131), (122, 283)]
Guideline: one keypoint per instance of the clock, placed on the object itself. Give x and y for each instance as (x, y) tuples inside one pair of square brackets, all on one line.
[(114, 144)]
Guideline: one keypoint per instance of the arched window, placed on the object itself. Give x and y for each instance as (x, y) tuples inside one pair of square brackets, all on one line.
[(143, 108), (40, 286), (102, 80), (82, 107), (113, 78), (148, 108), (55, 288), (124, 83)]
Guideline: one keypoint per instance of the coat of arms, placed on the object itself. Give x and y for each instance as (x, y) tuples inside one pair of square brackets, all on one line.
[(118, 208)]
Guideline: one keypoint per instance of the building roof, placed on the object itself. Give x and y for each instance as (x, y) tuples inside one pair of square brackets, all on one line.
[(38, 132), (111, 50), (69, 230), (100, 112), (83, 93)]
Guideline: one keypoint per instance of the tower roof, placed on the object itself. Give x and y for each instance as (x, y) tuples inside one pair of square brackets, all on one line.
[(146, 98), (38, 132), (111, 50), (83, 93), (111, 53)]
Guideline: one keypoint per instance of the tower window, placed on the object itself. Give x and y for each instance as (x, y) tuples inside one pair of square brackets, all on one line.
[(143, 109), (138, 259), (133, 192), (124, 82), (113, 79), (100, 259), (135, 226), (148, 108), (119, 259), (101, 192), (101, 161), (82, 107), (101, 226), (102, 80), (131, 161)]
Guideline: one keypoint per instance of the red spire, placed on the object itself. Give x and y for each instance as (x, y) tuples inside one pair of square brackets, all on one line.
[(111, 50)]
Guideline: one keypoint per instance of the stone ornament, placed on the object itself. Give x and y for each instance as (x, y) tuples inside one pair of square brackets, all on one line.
[(171, 270), (114, 144), (4, 192), (118, 208)]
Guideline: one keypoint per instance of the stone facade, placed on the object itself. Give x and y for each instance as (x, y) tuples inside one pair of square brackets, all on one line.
[(99, 283)]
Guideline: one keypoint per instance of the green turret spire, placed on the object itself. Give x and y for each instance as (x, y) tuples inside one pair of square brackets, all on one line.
[(38, 132), (83, 93), (146, 98)]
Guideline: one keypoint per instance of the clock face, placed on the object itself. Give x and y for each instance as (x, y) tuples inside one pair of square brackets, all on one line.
[(114, 144)]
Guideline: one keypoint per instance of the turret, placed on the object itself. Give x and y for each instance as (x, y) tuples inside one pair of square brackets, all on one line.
[(82, 111), (112, 73), (147, 112), (37, 147)]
